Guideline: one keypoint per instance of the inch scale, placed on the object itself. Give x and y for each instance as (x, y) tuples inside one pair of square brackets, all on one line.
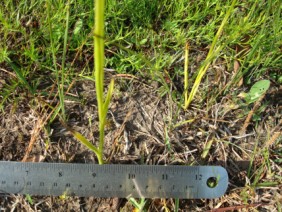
[(124, 181)]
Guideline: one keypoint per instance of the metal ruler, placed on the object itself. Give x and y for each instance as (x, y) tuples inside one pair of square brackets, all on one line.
[(151, 181)]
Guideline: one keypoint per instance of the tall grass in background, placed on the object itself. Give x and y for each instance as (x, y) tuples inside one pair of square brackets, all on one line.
[(213, 52), (60, 73)]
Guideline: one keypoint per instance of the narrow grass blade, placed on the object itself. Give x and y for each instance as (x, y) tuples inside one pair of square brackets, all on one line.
[(62, 82), (108, 99), (139, 206), (183, 122), (207, 149), (83, 140), (211, 54), (186, 75), (20, 76)]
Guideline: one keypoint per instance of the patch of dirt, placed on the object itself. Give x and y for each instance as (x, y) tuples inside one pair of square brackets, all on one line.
[(149, 136)]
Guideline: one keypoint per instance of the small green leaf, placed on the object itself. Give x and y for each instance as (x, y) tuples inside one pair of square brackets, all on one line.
[(260, 87), (256, 117), (20, 76), (29, 199), (257, 90), (142, 42)]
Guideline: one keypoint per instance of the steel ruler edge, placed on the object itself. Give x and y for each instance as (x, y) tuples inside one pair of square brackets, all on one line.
[(113, 180)]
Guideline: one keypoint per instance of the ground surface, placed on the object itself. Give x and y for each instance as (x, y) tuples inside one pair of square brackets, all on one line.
[(148, 120), (146, 123)]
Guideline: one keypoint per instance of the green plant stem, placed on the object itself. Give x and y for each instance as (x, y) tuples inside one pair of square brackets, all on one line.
[(186, 74), (103, 103), (99, 47), (176, 209)]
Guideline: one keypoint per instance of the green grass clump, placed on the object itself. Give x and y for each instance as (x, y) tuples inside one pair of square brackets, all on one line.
[(145, 39)]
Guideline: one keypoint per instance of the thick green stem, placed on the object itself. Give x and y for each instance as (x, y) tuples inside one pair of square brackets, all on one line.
[(99, 69), (99, 52), (101, 141), (100, 158)]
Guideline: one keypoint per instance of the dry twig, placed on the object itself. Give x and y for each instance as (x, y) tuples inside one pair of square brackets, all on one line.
[(250, 115)]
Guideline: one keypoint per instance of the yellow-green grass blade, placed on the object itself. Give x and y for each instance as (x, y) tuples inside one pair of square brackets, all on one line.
[(84, 141), (211, 54)]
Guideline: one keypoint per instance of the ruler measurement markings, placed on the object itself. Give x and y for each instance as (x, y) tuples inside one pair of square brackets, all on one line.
[(112, 180)]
